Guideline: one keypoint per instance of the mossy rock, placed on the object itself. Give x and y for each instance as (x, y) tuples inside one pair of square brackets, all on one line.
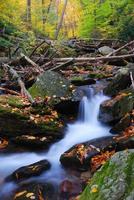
[(114, 109), (114, 181), (50, 84), (120, 82), (15, 122)]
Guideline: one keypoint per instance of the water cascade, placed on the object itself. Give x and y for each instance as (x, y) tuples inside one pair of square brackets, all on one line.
[(87, 127)]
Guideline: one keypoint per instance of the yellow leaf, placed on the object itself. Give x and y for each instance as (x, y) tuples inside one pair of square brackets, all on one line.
[(20, 194), (94, 189), (30, 194)]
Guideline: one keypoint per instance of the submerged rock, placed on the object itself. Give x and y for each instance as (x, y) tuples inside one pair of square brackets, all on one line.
[(50, 84), (114, 109), (29, 171), (114, 181), (69, 189)]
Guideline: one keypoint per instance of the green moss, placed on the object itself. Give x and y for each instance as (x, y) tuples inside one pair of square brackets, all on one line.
[(77, 78), (34, 90), (15, 102), (97, 75), (1, 73), (114, 181)]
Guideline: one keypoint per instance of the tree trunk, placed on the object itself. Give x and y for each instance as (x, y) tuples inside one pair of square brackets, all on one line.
[(29, 12), (61, 20), (44, 16)]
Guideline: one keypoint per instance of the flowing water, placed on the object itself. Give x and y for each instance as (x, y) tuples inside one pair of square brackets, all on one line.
[(87, 127)]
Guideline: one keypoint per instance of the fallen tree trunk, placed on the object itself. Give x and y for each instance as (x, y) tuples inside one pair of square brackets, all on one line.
[(66, 64), (103, 58), (9, 91), (37, 68), (38, 46), (20, 83), (132, 80), (119, 49)]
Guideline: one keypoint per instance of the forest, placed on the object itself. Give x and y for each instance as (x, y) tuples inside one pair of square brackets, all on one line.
[(66, 99)]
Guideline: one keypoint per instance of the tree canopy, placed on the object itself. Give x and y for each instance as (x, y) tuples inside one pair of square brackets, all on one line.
[(80, 18)]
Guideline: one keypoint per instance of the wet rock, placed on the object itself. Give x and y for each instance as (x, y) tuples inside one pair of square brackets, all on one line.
[(125, 144), (69, 189), (120, 81), (3, 143), (85, 177), (114, 181), (29, 171), (114, 109), (105, 50), (50, 84), (83, 82), (33, 141), (122, 124), (67, 107), (35, 191), (79, 156)]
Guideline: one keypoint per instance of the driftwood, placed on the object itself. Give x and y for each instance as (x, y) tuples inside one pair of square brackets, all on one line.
[(38, 46), (66, 64), (24, 91), (119, 49), (9, 91), (37, 68), (132, 80), (89, 59)]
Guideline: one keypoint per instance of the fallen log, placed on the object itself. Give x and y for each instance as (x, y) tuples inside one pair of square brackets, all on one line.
[(9, 91), (38, 46), (37, 68), (132, 80), (24, 91), (119, 49), (66, 64), (95, 59)]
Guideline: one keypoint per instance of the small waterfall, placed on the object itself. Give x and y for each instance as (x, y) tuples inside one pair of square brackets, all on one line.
[(86, 128)]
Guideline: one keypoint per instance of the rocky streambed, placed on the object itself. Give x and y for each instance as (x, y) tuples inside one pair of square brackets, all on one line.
[(32, 138)]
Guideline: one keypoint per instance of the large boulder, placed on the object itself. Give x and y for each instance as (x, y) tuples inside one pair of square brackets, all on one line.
[(120, 82), (114, 181), (50, 84), (114, 109)]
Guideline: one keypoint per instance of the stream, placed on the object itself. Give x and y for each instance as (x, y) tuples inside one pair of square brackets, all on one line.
[(86, 127)]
